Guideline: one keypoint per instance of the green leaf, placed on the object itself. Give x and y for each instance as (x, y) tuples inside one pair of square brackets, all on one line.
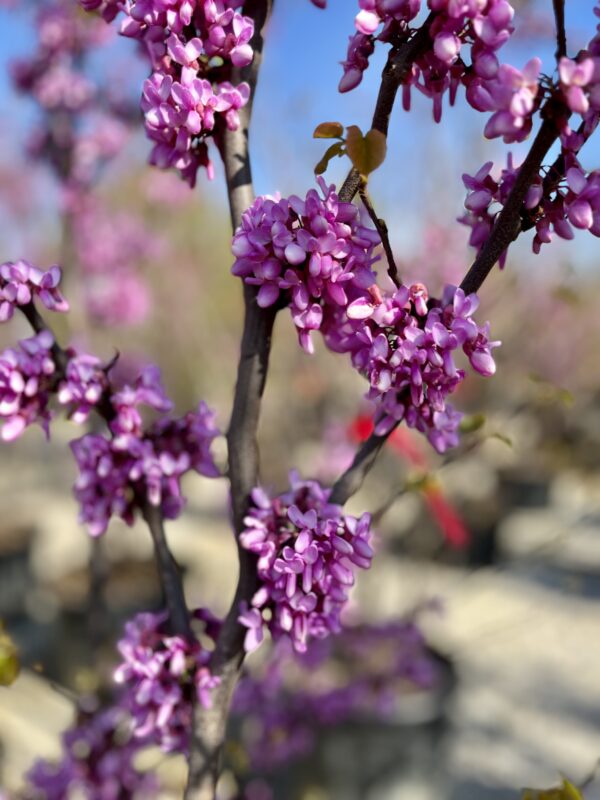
[(565, 792), (418, 481), (329, 130), (9, 660), (567, 295), (366, 152), (336, 149), (503, 438), (472, 423), (551, 393)]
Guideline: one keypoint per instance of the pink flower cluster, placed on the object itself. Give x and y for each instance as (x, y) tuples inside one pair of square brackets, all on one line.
[(180, 114), (550, 206), (97, 763), (111, 248), (52, 76), (486, 195), (314, 256), (77, 137), (394, 16), (140, 463), (162, 675), (20, 282), (306, 253), (366, 670), (192, 46), (26, 376), (308, 551), (83, 386), (484, 26), (404, 345), (580, 80)]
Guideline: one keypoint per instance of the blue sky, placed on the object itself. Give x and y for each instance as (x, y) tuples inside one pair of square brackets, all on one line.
[(297, 90)]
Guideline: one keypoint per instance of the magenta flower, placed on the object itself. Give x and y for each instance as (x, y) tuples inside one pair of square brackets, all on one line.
[(161, 674), (21, 282), (84, 384), (575, 77), (307, 253), (26, 377), (404, 345), (308, 551), (187, 93), (140, 461), (97, 762)]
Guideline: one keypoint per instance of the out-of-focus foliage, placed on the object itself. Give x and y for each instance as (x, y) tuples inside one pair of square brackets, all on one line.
[(9, 659), (565, 792)]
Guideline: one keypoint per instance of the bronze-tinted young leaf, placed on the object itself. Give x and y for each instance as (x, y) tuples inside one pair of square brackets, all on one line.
[(328, 130), (366, 152), (336, 149)]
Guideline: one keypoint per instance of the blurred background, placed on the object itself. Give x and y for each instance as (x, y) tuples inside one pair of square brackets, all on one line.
[(493, 550)]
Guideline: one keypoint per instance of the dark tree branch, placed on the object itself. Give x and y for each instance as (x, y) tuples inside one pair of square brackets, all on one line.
[(508, 223), (170, 576), (382, 230), (209, 726), (561, 36), (350, 482), (395, 72)]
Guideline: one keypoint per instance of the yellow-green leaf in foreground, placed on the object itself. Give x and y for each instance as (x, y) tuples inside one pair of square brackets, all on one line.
[(9, 660), (472, 423), (502, 437), (565, 792), (329, 130), (366, 152)]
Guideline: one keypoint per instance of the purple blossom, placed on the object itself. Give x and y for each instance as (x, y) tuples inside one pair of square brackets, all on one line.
[(512, 96), (84, 384), (26, 377), (364, 670), (111, 247), (575, 78), (307, 552), (21, 282), (97, 763), (307, 253), (188, 91), (404, 345), (481, 27), (141, 461), (176, 113), (486, 193), (162, 675)]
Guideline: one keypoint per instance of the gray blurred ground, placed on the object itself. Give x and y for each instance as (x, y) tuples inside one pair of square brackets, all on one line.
[(523, 635)]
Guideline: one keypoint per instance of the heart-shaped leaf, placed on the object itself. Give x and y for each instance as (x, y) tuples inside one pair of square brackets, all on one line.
[(366, 152)]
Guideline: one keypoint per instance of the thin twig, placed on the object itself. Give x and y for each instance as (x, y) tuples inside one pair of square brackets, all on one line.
[(350, 482), (382, 230), (168, 569), (396, 70), (561, 36), (209, 724)]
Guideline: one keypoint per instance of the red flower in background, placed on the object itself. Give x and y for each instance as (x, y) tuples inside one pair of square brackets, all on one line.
[(405, 444)]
